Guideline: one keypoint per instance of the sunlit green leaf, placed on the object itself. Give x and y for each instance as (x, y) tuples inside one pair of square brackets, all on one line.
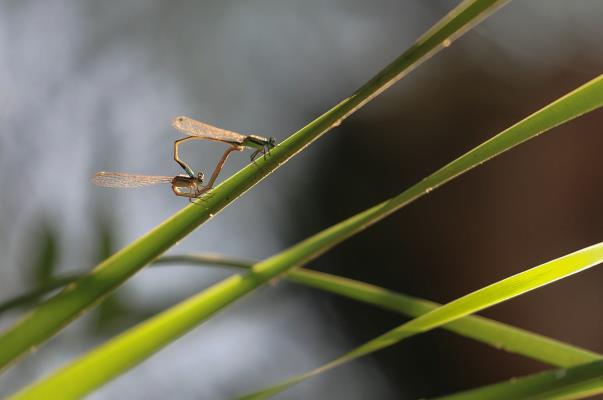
[(488, 296)]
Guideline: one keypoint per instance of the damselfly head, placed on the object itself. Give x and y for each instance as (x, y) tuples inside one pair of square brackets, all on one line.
[(179, 122), (200, 177)]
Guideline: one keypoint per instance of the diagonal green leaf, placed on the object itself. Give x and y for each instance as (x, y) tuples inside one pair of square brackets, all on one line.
[(496, 334), (37, 293), (142, 341), (471, 303), (51, 316), (573, 383)]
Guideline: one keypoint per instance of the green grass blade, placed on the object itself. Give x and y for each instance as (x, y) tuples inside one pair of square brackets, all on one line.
[(51, 316), (140, 342), (490, 295), (573, 383), (496, 334), (37, 293)]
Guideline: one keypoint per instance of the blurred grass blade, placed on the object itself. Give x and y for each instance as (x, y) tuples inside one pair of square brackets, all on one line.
[(44, 248), (578, 382), (140, 342), (46, 320), (486, 297), (496, 334)]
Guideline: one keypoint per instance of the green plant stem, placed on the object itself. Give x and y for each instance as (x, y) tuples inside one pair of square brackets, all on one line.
[(493, 333), (37, 293), (483, 298), (573, 383), (118, 355), (51, 316)]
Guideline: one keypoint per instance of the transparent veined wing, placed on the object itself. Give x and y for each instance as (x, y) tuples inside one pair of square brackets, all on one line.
[(199, 129), (122, 180)]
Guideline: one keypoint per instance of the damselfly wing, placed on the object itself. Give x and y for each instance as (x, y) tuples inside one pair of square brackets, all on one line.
[(192, 127), (123, 180), (182, 185), (199, 130)]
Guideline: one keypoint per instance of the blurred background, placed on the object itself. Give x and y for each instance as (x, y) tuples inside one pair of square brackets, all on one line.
[(88, 86)]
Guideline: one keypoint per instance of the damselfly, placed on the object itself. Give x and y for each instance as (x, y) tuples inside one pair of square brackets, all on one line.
[(196, 130), (182, 185)]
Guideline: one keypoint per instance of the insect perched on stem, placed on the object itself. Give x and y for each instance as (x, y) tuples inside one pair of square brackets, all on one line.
[(191, 184), (197, 130), (182, 185)]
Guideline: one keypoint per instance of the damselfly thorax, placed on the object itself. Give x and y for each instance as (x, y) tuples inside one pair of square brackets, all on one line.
[(185, 186)]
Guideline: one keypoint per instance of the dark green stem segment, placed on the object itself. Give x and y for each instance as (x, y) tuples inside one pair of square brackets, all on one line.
[(51, 316)]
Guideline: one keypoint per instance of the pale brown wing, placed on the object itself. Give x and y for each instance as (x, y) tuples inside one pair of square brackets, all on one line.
[(122, 180), (191, 127)]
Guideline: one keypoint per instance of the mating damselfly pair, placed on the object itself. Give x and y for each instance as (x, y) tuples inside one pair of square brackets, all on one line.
[(191, 184)]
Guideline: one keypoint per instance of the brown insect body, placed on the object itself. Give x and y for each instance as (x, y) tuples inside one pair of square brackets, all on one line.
[(185, 186), (190, 185)]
